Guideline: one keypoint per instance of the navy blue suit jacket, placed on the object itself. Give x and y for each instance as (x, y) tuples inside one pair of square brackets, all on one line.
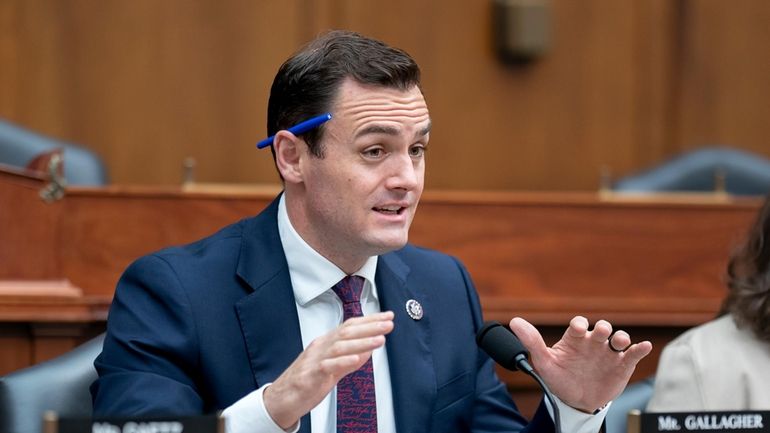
[(193, 329)]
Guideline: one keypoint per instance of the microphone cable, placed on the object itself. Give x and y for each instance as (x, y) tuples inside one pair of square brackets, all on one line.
[(505, 348)]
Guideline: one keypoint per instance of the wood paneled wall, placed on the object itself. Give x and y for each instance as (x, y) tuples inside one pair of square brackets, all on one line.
[(627, 83)]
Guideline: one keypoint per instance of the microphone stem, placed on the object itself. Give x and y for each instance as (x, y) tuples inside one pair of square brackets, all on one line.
[(527, 368)]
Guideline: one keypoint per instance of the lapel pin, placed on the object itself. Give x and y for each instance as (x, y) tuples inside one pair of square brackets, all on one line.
[(414, 309)]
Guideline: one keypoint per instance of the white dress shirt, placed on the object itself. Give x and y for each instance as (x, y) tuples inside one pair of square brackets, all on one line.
[(320, 311)]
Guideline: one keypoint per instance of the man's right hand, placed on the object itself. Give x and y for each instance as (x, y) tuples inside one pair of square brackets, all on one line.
[(322, 364)]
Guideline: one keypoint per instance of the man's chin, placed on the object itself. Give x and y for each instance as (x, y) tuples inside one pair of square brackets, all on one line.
[(387, 245)]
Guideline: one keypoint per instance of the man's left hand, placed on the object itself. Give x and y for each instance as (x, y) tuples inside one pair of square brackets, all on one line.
[(586, 368)]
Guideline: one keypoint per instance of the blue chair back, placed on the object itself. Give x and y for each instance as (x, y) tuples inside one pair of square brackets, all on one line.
[(60, 385), (18, 147), (744, 173)]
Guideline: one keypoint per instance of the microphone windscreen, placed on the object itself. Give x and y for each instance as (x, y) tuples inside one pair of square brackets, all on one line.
[(501, 344)]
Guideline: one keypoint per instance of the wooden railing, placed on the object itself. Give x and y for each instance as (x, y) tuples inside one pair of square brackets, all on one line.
[(650, 265)]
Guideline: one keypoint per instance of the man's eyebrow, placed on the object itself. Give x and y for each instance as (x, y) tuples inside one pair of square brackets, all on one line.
[(424, 131), (390, 130), (377, 129)]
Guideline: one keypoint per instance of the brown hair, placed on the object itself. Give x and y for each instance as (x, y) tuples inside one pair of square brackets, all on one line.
[(306, 84), (748, 279)]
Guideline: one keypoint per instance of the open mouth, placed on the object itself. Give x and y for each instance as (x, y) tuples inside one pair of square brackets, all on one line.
[(390, 210)]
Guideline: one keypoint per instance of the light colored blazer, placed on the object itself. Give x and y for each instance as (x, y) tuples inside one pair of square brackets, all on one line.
[(714, 366)]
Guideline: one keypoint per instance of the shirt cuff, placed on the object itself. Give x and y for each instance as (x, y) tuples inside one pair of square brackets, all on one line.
[(249, 415), (575, 421)]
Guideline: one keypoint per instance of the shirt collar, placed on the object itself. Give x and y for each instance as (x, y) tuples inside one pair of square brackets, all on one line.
[(311, 273)]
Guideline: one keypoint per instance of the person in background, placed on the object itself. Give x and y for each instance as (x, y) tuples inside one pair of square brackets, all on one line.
[(317, 315), (725, 364)]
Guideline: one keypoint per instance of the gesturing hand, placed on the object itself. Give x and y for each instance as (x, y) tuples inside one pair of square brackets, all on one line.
[(582, 368), (322, 364)]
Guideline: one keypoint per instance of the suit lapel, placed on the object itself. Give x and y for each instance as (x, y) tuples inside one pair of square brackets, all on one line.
[(412, 375), (271, 306)]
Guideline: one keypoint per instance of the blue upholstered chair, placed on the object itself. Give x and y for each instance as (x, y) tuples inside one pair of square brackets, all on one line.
[(743, 173), (635, 396), (60, 385), (18, 147)]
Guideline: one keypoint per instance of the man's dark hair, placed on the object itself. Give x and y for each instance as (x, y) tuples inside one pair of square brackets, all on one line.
[(306, 84), (748, 278)]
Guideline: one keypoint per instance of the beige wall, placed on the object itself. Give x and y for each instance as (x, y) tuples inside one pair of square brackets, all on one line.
[(147, 83)]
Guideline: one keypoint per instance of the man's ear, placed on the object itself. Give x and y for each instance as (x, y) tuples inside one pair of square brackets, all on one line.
[(288, 152)]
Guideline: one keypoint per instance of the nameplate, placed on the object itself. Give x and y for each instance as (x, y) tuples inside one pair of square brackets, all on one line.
[(730, 421), (195, 424)]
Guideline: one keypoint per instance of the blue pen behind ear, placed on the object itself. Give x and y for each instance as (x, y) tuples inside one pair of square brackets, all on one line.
[(299, 128)]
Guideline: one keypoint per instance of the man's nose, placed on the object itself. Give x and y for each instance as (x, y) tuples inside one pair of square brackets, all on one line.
[(405, 173)]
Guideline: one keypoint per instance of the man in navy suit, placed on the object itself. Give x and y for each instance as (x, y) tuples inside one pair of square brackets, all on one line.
[(250, 319)]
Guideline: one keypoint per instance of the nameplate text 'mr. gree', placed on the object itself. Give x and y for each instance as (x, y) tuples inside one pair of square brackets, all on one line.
[(193, 424)]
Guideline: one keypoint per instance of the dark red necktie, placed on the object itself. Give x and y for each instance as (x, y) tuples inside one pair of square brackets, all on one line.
[(356, 403)]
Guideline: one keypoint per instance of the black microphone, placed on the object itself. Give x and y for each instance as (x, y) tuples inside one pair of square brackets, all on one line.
[(502, 345), (505, 348)]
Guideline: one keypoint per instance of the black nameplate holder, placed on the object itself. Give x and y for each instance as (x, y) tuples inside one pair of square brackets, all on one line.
[(742, 421), (192, 424)]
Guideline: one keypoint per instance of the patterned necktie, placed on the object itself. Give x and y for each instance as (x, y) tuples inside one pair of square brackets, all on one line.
[(356, 403)]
